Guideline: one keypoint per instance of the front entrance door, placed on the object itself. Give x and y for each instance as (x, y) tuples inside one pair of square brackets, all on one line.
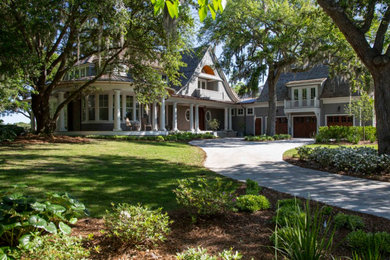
[(305, 126), (258, 126), (201, 119), (281, 125)]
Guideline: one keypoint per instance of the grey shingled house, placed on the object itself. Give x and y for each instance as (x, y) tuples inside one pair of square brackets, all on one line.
[(306, 101)]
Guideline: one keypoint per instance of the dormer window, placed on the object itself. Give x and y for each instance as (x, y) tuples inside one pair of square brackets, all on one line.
[(76, 73), (202, 84)]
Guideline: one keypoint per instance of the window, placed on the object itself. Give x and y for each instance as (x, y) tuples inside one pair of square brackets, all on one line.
[(249, 111), (103, 107), (304, 94), (233, 111), (312, 93), (187, 115), (208, 116), (129, 107), (83, 109), (202, 84), (83, 72), (296, 94), (91, 107), (240, 111)]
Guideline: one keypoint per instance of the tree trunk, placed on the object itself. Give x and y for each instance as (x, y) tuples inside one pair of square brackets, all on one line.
[(41, 109), (272, 99), (382, 108)]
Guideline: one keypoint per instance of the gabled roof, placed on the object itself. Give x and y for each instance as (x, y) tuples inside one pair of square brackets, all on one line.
[(192, 58), (281, 89), (319, 73)]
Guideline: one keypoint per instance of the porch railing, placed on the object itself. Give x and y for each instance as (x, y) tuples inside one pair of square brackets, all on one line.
[(307, 103)]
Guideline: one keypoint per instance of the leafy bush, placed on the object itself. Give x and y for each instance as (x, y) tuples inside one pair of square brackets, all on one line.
[(351, 222), (160, 138), (204, 196), (201, 254), (52, 247), (352, 134), (289, 203), (282, 137), (252, 203), (288, 214), (327, 210), (252, 187), (304, 238), (10, 132), (21, 214), (260, 138), (213, 124), (137, 225), (368, 244), (361, 160)]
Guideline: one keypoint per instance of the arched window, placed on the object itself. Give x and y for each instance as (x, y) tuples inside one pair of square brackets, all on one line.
[(208, 116), (187, 115), (208, 70)]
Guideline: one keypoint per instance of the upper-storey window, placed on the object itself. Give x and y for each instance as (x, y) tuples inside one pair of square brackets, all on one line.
[(76, 73), (202, 84), (304, 93)]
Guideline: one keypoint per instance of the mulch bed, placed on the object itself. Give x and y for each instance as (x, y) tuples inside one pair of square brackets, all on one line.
[(247, 233), (380, 176), (38, 139)]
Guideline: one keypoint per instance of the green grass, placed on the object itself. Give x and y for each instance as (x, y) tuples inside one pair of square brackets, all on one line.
[(102, 172), (294, 152)]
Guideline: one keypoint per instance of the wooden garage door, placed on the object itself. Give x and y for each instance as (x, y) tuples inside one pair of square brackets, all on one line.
[(258, 126), (281, 125), (305, 126), (339, 120)]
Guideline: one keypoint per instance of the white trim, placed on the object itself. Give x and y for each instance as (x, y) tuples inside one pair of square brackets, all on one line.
[(185, 115), (306, 82), (336, 100), (326, 118)]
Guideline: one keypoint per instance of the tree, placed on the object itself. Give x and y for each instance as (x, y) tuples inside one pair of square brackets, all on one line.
[(45, 39), (365, 25), (267, 38), (363, 108)]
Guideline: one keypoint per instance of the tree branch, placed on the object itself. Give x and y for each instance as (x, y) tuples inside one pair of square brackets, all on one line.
[(380, 35), (369, 17)]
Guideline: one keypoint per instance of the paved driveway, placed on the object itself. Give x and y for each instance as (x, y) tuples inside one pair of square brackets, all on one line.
[(263, 162)]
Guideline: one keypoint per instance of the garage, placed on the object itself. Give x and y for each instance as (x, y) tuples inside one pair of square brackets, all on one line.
[(305, 126), (281, 125), (339, 121)]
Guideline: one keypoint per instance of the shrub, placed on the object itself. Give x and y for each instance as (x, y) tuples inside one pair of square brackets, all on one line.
[(352, 134), (363, 160), (10, 132), (351, 222), (21, 214), (289, 203), (201, 254), (282, 137), (362, 242), (304, 238), (204, 196), (52, 247), (213, 124), (252, 203), (326, 210), (252, 187), (137, 225), (160, 138), (288, 214), (260, 138)]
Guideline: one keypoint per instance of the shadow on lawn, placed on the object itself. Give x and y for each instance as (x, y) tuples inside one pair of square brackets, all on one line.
[(99, 180)]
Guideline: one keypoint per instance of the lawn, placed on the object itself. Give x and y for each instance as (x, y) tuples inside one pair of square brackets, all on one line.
[(294, 152), (102, 172)]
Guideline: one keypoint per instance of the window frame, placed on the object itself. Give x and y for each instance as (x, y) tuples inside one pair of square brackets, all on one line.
[(238, 112)]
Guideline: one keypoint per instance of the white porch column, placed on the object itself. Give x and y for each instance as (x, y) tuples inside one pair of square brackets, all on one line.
[(154, 120), (134, 108), (162, 115), (123, 107), (226, 119), (117, 111), (192, 117), (61, 118), (318, 117), (197, 118), (174, 117), (230, 119), (289, 124)]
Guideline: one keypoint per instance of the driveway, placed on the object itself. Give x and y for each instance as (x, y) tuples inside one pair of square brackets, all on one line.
[(262, 162)]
